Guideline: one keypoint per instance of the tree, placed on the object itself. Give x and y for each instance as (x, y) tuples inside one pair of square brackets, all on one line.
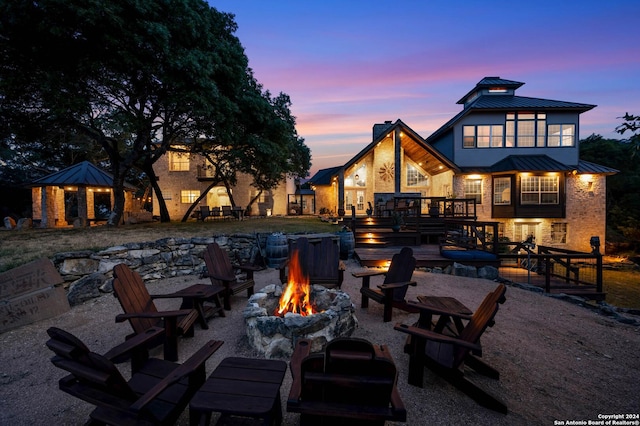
[(631, 123), (260, 140), (623, 195), (132, 77)]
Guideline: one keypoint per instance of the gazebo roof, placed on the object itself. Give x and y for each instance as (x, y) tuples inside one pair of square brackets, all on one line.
[(81, 174)]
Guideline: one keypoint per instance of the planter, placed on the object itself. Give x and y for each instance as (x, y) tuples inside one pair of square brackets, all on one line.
[(395, 228)]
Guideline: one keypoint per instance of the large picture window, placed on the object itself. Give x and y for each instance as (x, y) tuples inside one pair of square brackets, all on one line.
[(502, 191), (189, 196), (473, 189), (178, 161), (525, 130), (561, 135), (415, 177), (539, 190), (489, 136)]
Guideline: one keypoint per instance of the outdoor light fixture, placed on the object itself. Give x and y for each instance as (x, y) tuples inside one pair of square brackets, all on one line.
[(595, 244)]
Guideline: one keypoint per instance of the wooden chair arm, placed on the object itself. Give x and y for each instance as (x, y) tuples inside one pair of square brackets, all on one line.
[(125, 350), (163, 314), (391, 286), (191, 365), (227, 278), (436, 337), (301, 351), (397, 405), (371, 273), (436, 311), (247, 268)]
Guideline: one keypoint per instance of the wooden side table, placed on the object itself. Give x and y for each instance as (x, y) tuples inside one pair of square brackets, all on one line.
[(245, 387), (446, 308)]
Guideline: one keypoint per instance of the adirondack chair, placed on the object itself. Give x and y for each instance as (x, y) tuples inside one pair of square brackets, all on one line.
[(142, 314), (156, 394), (447, 355), (352, 383), (320, 261), (394, 288), (222, 273)]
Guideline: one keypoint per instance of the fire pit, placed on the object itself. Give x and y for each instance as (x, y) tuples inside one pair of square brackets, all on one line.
[(276, 318)]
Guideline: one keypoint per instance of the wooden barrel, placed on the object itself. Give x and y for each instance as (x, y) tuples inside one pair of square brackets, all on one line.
[(347, 243), (277, 249)]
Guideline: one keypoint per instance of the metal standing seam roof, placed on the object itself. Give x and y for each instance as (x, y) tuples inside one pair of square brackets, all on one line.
[(81, 174), (323, 177), (529, 163), (588, 167)]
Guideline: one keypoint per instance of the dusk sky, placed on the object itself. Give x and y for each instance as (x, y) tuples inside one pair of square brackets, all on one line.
[(350, 64)]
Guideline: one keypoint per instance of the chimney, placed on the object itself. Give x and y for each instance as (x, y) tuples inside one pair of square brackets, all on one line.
[(379, 129)]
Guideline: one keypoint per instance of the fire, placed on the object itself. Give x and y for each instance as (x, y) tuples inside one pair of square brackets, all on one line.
[(296, 297)]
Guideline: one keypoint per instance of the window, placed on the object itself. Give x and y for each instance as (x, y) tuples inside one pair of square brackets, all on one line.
[(561, 134), (415, 177), (473, 189), (359, 200), (502, 191), (189, 196), (359, 178), (469, 136), (179, 161), (524, 230), (539, 190), (559, 232), (525, 130), (490, 136)]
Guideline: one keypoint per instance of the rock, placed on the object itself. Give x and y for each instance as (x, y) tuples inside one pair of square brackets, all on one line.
[(85, 288), (9, 223), (24, 223)]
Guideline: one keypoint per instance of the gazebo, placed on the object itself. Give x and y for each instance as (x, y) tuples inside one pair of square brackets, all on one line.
[(75, 196)]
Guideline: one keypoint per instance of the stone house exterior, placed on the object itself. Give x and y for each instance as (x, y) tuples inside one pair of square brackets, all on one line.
[(183, 177), (518, 157)]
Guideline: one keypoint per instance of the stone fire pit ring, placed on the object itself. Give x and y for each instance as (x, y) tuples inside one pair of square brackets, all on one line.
[(275, 337)]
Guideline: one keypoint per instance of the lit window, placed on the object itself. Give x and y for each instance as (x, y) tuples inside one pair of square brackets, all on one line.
[(561, 134), (358, 178), (179, 161), (525, 130), (539, 190), (189, 196), (489, 136), (559, 232), (473, 189), (415, 177), (502, 191)]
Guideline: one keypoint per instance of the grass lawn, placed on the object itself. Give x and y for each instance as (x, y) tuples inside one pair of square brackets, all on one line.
[(23, 246)]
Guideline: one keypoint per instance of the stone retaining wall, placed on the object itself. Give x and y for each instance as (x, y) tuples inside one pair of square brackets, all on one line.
[(89, 274)]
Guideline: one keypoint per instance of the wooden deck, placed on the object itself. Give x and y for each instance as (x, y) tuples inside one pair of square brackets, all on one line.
[(428, 256)]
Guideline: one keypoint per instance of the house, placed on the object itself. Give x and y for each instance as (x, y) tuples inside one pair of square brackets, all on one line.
[(183, 177), (518, 157)]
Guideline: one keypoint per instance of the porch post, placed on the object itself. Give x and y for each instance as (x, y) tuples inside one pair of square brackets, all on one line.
[(341, 192), (397, 147)]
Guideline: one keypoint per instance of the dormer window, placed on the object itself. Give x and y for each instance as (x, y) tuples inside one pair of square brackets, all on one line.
[(498, 90)]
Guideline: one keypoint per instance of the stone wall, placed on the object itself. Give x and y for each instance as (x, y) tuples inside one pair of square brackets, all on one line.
[(89, 274)]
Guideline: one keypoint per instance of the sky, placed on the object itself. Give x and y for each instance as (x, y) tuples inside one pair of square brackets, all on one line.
[(349, 64)]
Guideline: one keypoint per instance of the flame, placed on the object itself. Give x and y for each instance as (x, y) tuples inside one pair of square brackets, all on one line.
[(296, 297)]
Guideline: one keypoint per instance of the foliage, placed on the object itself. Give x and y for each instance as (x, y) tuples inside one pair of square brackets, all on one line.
[(623, 188), (130, 76), (632, 124)]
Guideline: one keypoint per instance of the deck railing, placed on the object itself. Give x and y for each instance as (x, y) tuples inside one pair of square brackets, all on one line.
[(556, 266)]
